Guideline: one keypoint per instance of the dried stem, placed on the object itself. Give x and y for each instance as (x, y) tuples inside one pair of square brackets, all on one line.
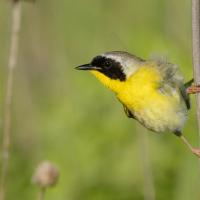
[(15, 28), (148, 181), (42, 194), (196, 50)]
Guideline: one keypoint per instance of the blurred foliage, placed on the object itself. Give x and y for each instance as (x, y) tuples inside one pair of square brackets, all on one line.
[(66, 116)]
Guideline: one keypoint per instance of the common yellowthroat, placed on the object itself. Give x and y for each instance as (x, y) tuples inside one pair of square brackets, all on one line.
[(151, 92)]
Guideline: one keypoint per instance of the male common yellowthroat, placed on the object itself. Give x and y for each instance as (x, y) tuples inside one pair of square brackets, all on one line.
[(152, 92)]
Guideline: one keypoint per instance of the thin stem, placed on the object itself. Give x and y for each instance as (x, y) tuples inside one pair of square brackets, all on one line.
[(12, 60), (185, 141), (148, 181), (42, 194), (196, 50)]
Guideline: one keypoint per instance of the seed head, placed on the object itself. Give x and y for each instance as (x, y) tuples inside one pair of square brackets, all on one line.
[(46, 175)]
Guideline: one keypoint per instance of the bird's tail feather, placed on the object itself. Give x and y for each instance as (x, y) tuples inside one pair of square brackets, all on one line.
[(189, 83)]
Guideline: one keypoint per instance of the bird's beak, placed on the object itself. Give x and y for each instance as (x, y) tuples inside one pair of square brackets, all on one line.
[(87, 67)]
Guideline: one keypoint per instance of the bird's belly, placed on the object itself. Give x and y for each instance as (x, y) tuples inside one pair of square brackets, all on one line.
[(160, 120), (157, 112)]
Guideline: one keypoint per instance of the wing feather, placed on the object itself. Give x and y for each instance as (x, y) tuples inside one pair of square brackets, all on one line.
[(173, 79)]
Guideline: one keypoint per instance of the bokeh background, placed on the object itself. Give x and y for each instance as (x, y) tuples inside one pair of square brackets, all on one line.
[(69, 118)]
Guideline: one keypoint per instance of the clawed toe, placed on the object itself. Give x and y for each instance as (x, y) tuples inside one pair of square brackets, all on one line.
[(193, 89), (196, 152)]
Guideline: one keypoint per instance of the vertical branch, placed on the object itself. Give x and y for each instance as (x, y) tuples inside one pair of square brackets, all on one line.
[(12, 60), (196, 50), (148, 182)]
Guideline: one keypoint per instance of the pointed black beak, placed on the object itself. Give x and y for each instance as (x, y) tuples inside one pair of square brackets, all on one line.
[(87, 67)]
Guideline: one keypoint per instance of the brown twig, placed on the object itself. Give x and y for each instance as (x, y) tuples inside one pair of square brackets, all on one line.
[(196, 50), (12, 60)]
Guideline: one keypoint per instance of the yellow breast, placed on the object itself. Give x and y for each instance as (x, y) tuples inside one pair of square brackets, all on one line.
[(142, 84)]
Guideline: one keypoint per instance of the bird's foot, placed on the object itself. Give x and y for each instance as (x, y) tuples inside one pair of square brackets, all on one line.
[(193, 89), (196, 152)]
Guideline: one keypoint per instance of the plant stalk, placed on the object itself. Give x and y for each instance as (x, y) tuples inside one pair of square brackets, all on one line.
[(196, 51), (12, 61), (42, 194), (146, 165)]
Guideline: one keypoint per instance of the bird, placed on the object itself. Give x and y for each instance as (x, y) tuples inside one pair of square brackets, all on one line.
[(152, 91)]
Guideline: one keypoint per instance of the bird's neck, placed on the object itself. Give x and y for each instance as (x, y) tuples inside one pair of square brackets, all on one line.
[(113, 84)]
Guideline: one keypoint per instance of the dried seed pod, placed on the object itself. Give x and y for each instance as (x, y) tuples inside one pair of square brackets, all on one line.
[(46, 175)]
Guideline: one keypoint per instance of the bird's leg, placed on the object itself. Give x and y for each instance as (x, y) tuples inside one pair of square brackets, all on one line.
[(193, 89), (195, 151)]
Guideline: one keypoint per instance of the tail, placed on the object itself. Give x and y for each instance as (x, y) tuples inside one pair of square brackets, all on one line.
[(189, 83)]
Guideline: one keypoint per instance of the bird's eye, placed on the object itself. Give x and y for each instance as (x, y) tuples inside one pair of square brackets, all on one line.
[(107, 64)]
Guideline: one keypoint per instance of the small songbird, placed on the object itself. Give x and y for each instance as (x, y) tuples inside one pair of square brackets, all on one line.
[(152, 92)]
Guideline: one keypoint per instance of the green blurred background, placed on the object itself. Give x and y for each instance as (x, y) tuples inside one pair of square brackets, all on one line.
[(69, 118)]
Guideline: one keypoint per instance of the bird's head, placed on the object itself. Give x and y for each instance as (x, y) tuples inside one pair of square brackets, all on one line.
[(113, 68)]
